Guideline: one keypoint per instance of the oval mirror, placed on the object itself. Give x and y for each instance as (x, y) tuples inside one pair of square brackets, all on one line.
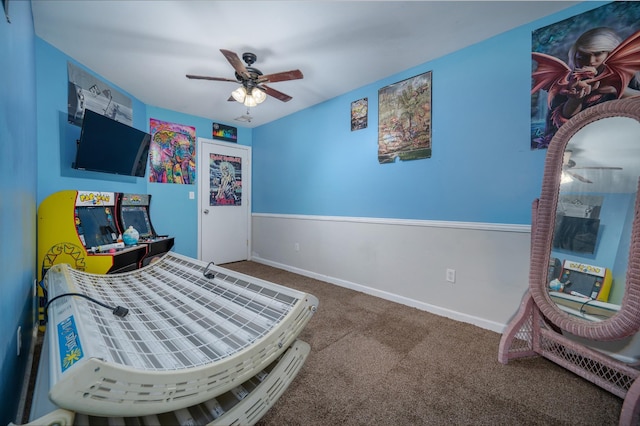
[(585, 272)]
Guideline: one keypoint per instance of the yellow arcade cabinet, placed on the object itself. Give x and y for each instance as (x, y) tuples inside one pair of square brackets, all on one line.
[(79, 228)]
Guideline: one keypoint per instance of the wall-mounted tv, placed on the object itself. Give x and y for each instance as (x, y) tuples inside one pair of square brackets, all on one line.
[(108, 146), (576, 234)]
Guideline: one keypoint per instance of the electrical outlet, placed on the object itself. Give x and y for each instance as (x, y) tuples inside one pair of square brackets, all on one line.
[(451, 275), (19, 340), (296, 247)]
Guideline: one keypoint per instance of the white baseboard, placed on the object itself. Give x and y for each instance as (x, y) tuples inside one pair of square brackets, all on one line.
[(458, 316)]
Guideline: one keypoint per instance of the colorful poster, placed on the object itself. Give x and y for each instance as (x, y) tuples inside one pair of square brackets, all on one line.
[(172, 153), (225, 180), (580, 62), (404, 120), (87, 92), (359, 112), (224, 133)]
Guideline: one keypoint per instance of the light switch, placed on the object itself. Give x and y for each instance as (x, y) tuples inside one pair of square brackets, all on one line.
[(192, 195)]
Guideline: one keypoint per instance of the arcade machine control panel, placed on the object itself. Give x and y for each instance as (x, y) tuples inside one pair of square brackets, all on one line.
[(134, 210)]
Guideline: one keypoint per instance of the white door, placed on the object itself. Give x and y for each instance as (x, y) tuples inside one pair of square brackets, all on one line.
[(224, 196)]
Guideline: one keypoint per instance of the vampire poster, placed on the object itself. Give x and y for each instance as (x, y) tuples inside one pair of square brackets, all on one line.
[(580, 62)]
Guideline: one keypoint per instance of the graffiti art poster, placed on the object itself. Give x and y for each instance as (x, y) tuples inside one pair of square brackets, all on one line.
[(580, 62), (172, 153), (225, 180)]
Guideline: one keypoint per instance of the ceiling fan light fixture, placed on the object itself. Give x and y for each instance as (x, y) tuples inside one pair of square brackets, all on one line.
[(250, 78), (565, 178), (249, 101), (239, 94), (249, 98), (258, 95)]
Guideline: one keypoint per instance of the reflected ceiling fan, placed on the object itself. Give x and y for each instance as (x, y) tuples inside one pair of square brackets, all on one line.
[(568, 167), (252, 90)]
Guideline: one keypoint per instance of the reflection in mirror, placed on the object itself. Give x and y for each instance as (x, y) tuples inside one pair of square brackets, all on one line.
[(594, 218), (582, 308)]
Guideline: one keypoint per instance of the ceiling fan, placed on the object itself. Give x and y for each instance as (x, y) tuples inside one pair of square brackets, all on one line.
[(568, 165), (252, 90)]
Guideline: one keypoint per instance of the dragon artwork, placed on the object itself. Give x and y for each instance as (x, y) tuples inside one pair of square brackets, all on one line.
[(593, 85)]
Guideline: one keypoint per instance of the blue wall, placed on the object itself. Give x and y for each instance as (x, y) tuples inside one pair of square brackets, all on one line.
[(481, 170), (17, 200), (615, 228), (613, 242), (172, 212), (307, 163), (57, 138)]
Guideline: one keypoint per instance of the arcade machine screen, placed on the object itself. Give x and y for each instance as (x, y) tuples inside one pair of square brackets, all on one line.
[(138, 217), (587, 281), (95, 225)]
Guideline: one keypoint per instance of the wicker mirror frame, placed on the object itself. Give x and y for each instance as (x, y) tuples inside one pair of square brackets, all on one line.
[(627, 321)]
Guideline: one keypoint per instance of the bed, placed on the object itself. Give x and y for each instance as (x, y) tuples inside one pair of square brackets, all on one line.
[(179, 337)]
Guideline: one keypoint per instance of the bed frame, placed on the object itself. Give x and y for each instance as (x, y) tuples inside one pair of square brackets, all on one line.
[(193, 333)]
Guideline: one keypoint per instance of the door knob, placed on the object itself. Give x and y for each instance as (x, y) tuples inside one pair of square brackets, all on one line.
[(206, 211)]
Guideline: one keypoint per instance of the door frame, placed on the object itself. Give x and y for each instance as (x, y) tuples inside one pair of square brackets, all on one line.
[(246, 186)]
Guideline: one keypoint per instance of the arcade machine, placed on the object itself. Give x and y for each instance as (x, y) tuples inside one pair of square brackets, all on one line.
[(587, 281), (583, 290), (133, 210), (79, 228)]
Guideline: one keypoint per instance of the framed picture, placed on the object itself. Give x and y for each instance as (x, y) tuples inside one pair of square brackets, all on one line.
[(84, 91), (404, 120), (359, 114), (172, 153), (224, 133), (565, 80), (225, 180)]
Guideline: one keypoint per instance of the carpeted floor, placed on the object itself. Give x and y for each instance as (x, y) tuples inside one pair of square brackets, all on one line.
[(375, 362)]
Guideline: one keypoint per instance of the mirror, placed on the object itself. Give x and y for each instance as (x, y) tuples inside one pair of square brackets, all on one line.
[(585, 235)]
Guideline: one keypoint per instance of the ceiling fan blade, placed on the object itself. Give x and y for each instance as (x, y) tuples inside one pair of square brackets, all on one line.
[(236, 63), (202, 77), (580, 178), (280, 76), (276, 94)]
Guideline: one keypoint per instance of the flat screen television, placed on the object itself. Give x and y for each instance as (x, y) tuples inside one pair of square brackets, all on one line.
[(576, 234), (108, 146)]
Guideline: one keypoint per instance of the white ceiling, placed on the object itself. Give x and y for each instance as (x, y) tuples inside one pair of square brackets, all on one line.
[(612, 142), (146, 47)]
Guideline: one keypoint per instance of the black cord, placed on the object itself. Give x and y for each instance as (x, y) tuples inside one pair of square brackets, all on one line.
[(592, 314), (207, 273), (118, 311), (584, 304)]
